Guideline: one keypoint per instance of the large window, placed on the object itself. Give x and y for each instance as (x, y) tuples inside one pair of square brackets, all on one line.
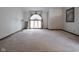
[(35, 21), (35, 24), (36, 16)]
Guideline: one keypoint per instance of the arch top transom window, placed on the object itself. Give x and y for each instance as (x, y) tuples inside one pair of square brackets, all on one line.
[(35, 17)]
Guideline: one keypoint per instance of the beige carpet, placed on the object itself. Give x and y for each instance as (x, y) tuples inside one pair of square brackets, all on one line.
[(40, 40)]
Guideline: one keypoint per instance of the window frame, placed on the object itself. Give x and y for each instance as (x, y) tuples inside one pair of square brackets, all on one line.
[(34, 24)]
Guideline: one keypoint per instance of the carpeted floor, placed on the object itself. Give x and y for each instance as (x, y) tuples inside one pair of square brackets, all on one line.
[(37, 40)]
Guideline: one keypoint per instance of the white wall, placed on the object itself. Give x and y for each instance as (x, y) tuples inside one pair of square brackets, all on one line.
[(72, 26), (10, 20), (44, 16), (55, 18)]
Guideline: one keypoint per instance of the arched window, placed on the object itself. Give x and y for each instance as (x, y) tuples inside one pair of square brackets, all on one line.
[(35, 21), (36, 17)]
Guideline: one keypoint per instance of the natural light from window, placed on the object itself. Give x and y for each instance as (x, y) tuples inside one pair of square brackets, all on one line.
[(35, 24), (36, 16), (35, 21)]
